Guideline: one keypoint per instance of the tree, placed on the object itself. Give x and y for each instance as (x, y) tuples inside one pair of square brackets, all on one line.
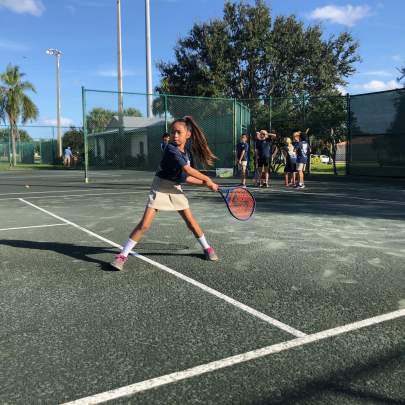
[(75, 139), (23, 134), (17, 105), (99, 118), (246, 56), (402, 77)]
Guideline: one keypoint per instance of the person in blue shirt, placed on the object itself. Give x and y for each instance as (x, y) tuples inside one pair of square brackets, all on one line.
[(166, 193), (165, 141), (263, 156), (67, 156), (242, 154), (303, 152)]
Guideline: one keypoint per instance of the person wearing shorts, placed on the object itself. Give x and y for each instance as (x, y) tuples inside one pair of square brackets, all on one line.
[(290, 158), (302, 150), (263, 155), (242, 153)]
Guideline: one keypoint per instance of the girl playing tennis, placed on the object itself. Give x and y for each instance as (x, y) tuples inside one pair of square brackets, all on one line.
[(166, 193)]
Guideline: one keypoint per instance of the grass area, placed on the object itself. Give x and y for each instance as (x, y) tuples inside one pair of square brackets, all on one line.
[(323, 168), (4, 166)]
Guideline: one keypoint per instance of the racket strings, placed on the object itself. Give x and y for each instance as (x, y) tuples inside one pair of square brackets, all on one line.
[(241, 203)]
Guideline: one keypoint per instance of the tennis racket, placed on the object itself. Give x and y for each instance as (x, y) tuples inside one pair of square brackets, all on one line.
[(239, 201)]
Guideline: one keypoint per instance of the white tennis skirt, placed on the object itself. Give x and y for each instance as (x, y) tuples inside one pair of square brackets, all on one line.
[(166, 195)]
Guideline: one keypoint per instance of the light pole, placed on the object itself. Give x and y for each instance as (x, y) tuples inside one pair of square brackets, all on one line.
[(119, 67), (57, 53), (148, 60)]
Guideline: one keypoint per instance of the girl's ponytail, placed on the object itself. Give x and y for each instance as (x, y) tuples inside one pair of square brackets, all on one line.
[(199, 146)]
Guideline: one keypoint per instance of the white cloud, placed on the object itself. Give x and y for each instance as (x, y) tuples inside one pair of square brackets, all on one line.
[(341, 89), (345, 15), (397, 57), (382, 73), (10, 45), (113, 72), (64, 122), (378, 85), (34, 7)]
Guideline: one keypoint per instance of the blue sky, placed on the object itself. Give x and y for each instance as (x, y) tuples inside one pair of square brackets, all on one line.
[(85, 31)]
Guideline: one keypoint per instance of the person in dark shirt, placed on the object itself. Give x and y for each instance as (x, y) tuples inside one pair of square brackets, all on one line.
[(165, 141), (166, 193), (303, 152), (263, 156), (242, 153)]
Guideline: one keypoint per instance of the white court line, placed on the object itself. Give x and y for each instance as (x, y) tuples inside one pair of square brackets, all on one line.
[(53, 191), (210, 290), (338, 196), (32, 226), (231, 361), (78, 195)]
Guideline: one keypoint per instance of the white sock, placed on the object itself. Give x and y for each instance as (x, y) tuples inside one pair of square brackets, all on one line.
[(128, 247), (203, 242)]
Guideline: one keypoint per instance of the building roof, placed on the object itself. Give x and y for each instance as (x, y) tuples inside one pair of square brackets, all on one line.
[(134, 122)]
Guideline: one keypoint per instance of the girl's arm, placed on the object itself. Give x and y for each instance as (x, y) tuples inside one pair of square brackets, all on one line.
[(194, 181), (199, 176)]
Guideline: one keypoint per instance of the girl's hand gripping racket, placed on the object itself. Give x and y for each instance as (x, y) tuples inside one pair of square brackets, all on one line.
[(240, 202)]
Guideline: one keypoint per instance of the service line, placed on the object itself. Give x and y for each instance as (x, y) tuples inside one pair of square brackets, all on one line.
[(30, 227)]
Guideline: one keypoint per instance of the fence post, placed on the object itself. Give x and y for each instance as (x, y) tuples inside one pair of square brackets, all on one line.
[(348, 140), (86, 151)]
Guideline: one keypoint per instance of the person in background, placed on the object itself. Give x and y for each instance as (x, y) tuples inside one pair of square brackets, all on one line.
[(67, 157), (165, 141), (242, 151), (290, 158), (263, 156), (302, 150)]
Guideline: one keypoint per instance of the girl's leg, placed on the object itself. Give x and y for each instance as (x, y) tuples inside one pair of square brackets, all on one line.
[(194, 227), (134, 238), (286, 179), (143, 225)]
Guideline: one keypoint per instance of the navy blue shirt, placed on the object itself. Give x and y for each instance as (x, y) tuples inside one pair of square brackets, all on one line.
[(240, 147), (291, 156), (163, 146), (172, 163), (302, 149), (264, 148)]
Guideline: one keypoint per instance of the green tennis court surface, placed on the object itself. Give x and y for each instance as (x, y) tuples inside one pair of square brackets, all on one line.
[(305, 306)]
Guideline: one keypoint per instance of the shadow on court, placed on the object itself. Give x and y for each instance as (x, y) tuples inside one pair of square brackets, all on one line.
[(87, 253), (346, 383)]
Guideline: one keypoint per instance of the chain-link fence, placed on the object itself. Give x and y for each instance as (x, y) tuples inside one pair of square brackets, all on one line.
[(323, 119), (34, 144), (125, 138), (377, 134)]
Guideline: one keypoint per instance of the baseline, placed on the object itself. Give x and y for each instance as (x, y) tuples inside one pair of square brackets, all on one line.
[(233, 360), (202, 286), (30, 227)]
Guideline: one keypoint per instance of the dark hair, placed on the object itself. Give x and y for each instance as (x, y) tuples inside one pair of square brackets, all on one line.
[(165, 135), (199, 146)]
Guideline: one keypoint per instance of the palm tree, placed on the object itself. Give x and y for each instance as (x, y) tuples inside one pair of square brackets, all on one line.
[(17, 106)]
